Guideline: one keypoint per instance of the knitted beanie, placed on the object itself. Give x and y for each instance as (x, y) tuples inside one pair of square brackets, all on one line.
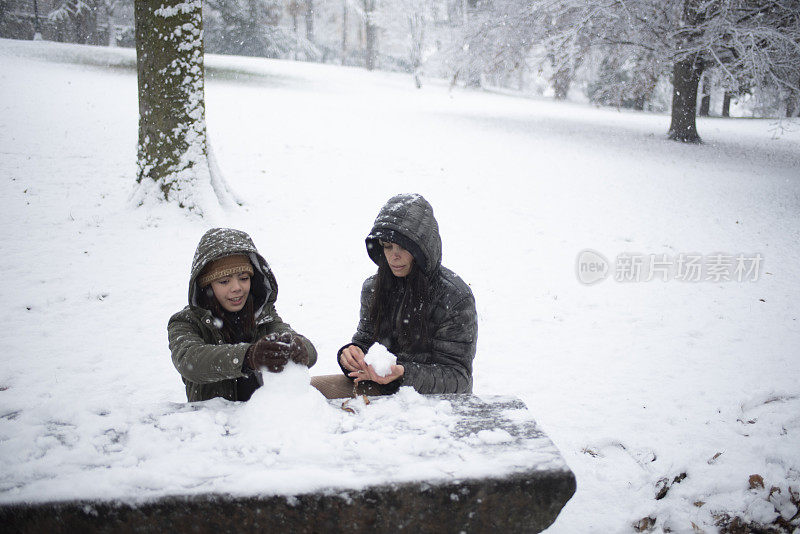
[(238, 263)]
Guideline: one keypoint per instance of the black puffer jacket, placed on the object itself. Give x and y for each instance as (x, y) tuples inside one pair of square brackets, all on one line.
[(445, 366), (208, 365)]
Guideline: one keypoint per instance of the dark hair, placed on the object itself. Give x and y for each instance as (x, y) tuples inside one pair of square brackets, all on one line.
[(400, 307), (231, 333)]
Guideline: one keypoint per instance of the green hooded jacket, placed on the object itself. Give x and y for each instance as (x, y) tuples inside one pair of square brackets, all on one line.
[(209, 366)]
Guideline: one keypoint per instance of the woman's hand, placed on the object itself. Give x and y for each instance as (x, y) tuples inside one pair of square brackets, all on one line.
[(352, 359), (370, 374), (271, 351)]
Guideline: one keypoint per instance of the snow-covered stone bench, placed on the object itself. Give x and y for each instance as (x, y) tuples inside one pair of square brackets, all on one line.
[(290, 461)]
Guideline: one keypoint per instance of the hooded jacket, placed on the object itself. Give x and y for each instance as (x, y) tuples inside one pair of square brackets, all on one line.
[(208, 365), (445, 366)]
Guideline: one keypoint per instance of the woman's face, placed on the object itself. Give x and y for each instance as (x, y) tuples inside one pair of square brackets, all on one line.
[(231, 292), (400, 260)]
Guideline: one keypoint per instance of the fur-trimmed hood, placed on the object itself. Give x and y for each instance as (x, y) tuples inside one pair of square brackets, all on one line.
[(220, 242)]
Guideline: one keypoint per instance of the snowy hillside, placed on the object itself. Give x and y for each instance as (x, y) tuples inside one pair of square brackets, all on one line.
[(636, 382)]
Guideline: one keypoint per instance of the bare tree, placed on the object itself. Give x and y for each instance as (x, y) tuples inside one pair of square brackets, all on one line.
[(404, 24), (81, 15), (502, 36), (758, 40), (623, 80), (252, 28)]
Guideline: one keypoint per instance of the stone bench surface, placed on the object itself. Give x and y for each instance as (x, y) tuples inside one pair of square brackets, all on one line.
[(492, 468)]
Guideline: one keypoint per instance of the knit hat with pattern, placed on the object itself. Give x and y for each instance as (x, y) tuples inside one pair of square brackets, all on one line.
[(229, 265)]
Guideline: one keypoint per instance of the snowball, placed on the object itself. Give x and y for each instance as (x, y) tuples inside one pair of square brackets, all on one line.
[(381, 360)]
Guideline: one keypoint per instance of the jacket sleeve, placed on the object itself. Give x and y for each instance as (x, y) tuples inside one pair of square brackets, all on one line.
[(197, 360), (277, 326), (448, 367), (363, 338)]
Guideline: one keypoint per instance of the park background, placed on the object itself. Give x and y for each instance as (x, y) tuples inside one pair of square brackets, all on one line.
[(637, 382)]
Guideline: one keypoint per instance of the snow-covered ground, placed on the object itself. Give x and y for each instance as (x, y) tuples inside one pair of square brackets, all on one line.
[(635, 382)]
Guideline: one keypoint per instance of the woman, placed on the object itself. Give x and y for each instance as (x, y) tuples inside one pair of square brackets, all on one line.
[(422, 312), (230, 329)]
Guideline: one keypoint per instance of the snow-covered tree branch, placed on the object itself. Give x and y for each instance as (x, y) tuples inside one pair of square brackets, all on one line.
[(751, 42)]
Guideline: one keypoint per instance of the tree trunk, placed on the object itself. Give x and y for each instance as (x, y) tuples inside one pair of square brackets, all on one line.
[(296, 30), (473, 75), (370, 31), (561, 80), (416, 26), (310, 20), (37, 30), (726, 105), (705, 101), (685, 79), (793, 103), (85, 24), (344, 31), (705, 106), (112, 32), (173, 152)]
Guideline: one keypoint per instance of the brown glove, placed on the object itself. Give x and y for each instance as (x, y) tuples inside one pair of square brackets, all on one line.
[(271, 351), (299, 351)]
